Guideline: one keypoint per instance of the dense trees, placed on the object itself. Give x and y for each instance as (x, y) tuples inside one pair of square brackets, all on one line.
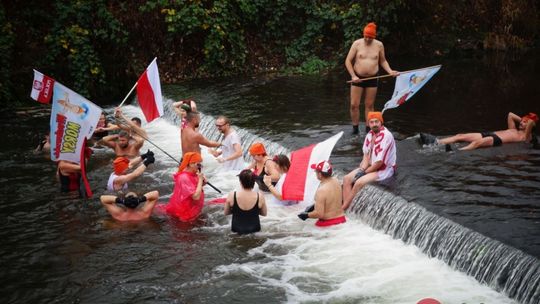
[(99, 47)]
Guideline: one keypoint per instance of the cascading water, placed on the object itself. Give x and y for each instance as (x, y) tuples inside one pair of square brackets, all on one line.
[(500, 266)]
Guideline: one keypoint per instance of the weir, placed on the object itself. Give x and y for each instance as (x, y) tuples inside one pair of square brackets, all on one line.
[(502, 267), (493, 263)]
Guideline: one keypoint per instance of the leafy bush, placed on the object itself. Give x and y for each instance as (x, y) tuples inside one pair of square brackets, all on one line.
[(85, 33)]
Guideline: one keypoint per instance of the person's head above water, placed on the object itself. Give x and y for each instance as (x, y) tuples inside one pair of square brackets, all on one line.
[(131, 200), (247, 180)]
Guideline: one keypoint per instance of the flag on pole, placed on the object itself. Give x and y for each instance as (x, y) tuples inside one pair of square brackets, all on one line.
[(149, 92), (301, 181), (73, 119), (42, 88), (408, 83)]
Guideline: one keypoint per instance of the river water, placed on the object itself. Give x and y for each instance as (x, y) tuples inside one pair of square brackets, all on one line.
[(462, 227)]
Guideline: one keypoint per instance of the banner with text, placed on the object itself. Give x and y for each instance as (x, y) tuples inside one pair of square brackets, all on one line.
[(73, 118)]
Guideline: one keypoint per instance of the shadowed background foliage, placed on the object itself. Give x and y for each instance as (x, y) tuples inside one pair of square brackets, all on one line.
[(99, 47)]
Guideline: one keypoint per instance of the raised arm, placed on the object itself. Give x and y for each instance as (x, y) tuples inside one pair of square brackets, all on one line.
[(176, 108), (197, 194), (107, 199), (122, 179), (127, 124), (151, 200), (109, 141), (512, 119)]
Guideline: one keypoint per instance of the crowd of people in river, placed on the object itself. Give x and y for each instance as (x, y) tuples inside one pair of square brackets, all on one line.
[(265, 173)]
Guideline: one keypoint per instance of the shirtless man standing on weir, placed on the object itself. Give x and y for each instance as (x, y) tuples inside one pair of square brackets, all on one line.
[(363, 61), (191, 138)]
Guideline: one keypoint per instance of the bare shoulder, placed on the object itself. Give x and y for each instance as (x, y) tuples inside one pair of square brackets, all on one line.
[(378, 43)]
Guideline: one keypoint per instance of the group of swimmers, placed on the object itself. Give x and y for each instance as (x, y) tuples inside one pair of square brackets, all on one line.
[(332, 197)]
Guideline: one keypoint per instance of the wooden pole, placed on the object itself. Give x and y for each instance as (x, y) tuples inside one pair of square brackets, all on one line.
[(388, 75)]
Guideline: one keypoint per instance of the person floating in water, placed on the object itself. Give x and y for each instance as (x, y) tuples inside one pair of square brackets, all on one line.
[(520, 129), (127, 208), (327, 208)]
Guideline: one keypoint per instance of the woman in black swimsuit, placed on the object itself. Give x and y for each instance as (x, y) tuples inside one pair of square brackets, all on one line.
[(245, 205)]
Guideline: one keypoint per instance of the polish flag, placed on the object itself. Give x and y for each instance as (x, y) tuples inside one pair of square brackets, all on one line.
[(42, 88), (149, 92), (301, 182)]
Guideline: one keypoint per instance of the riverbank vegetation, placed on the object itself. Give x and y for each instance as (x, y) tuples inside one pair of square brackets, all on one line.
[(99, 47)]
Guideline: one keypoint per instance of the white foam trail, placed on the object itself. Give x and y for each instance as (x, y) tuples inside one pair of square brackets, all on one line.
[(345, 263)]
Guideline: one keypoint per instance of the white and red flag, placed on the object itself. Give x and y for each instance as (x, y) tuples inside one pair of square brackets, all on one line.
[(301, 182), (408, 83), (149, 92), (42, 87)]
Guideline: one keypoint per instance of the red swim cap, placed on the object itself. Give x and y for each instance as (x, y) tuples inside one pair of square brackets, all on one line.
[(370, 31), (375, 115), (428, 301), (257, 149), (189, 158), (120, 164), (530, 116)]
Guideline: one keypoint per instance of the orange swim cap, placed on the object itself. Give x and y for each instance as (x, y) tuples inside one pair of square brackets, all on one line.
[(257, 149), (189, 158), (370, 30), (375, 115), (530, 116), (120, 164)]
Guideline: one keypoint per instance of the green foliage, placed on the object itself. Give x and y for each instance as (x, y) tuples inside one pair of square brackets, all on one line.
[(83, 33), (230, 34), (7, 39), (311, 66), (93, 46)]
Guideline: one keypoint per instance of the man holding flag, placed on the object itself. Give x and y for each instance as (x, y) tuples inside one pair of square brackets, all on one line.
[(363, 61), (73, 121)]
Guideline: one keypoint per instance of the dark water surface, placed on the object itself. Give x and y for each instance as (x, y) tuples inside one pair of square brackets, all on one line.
[(61, 249)]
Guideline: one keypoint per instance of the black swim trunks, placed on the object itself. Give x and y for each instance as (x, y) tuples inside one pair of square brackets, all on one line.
[(371, 83), (496, 139)]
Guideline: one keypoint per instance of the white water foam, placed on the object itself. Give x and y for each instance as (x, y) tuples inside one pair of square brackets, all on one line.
[(348, 263)]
